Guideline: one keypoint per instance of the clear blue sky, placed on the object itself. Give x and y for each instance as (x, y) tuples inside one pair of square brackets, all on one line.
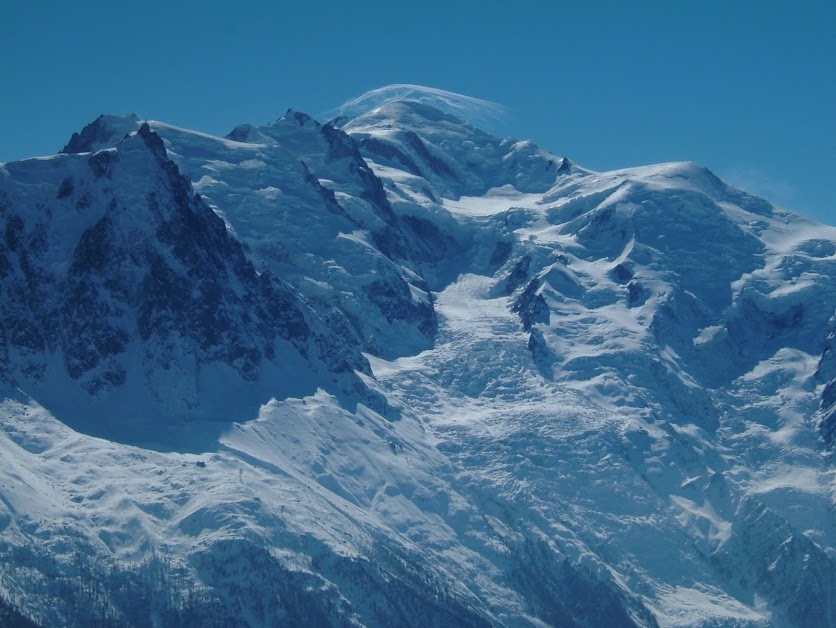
[(746, 88)]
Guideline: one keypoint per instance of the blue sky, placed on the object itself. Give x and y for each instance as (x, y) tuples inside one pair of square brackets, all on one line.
[(746, 88)]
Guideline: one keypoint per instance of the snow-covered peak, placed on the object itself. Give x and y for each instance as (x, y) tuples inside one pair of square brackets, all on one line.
[(409, 114), (103, 132), (457, 158), (475, 111)]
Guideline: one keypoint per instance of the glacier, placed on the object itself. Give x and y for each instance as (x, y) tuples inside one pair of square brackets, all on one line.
[(393, 370)]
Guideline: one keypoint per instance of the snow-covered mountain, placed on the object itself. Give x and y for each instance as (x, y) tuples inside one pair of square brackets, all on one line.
[(480, 113), (392, 370)]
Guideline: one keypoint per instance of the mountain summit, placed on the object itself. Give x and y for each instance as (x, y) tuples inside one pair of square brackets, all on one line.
[(395, 370), (475, 111)]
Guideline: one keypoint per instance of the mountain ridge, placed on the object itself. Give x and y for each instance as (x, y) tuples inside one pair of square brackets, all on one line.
[(531, 385)]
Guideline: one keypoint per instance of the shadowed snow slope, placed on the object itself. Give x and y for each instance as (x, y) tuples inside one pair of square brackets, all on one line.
[(403, 372)]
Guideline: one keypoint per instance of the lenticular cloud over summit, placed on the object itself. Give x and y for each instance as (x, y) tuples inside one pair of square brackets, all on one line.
[(480, 113)]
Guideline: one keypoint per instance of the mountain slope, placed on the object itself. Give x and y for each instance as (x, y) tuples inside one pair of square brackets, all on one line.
[(613, 390), (126, 298)]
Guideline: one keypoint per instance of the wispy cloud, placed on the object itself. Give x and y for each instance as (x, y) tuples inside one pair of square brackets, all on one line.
[(482, 113)]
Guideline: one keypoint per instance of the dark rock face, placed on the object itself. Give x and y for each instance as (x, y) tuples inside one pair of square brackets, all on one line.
[(621, 274), (340, 145), (101, 163), (518, 275), (240, 133), (783, 566), (102, 132), (540, 352), (156, 274), (66, 188), (395, 302), (10, 616), (636, 294), (24, 337), (826, 375), (388, 152), (92, 342), (436, 164), (562, 594), (531, 306)]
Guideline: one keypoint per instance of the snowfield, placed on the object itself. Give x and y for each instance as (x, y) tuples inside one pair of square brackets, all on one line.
[(442, 379)]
